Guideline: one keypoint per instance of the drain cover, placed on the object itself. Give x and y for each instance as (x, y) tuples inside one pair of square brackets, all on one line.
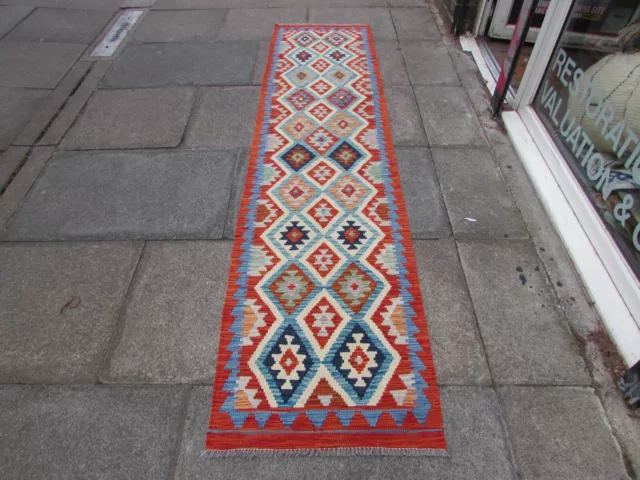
[(114, 37)]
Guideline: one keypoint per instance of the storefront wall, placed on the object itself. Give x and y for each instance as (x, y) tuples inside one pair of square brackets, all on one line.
[(576, 125)]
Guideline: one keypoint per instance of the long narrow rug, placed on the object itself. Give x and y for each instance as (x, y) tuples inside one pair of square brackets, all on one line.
[(324, 346)]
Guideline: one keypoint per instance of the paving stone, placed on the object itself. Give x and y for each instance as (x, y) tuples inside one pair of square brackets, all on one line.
[(59, 303), (525, 334), (457, 348), (261, 63), (179, 26), (415, 23), (560, 433), (9, 162), (12, 15), (427, 213), (74, 104), (89, 432), (132, 119), (128, 195), (239, 179), (448, 116), (224, 63), (36, 65), (406, 125), (61, 25), (327, 3), (51, 106), (472, 425), (110, 5), (391, 63), (258, 23), (224, 117), (174, 280), (429, 63), (378, 18), (477, 198), (205, 4), (408, 3), (21, 183), (16, 107)]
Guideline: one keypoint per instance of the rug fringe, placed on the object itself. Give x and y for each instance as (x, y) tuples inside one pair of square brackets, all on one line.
[(326, 452)]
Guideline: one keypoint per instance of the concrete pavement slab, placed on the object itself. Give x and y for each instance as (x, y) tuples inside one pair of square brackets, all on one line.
[(427, 213), (239, 179), (327, 3), (415, 23), (61, 26), (89, 432), (223, 63), (128, 195), (560, 433), (36, 65), (258, 23), (17, 105), (472, 425), (51, 106), (391, 63), (132, 119), (378, 18), (32, 165), (429, 63), (59, 303), (406, 124), (9, 162), (524, 331), (448, 116), (205, 4), (110, 5), (457, 348), (224, 117), (179, 26), (171, 321), (261, 62), (408, 3), (478, 201), (12, 15)]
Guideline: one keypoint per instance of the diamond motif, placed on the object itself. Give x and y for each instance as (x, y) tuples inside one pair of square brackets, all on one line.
[(300, 99), (298, 156), (323, 212), (321, 173), (321, 111), (291, 288), (354, 286), (299, 126), (346, 155), (266, 213), (352, 235), (322, 318), (301, 76), (336, 39), (295, 193), (320, 87), (321, 140), (320, 47), (341, 98), (358, 360), (324, 260), (303, 56), (339, 75), (288, 362), (349, 191), (342, 124), (294, 235), (304, 39), (320, 65), (337, 55)]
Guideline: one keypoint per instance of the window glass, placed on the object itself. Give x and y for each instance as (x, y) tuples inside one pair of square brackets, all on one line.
[(589, 100)]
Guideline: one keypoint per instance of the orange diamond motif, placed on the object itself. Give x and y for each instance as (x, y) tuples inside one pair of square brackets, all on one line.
[(321, 140), (299, 126), (296, 192), (348, 191), (342, 124)]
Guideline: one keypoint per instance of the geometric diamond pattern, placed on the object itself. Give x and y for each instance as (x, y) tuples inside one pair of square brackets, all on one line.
[(323, 330)]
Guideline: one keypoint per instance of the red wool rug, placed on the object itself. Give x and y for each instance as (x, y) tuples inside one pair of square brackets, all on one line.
[(324, 346)]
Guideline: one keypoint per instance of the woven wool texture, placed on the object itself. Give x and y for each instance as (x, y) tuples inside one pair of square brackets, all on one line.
[(324, 346)]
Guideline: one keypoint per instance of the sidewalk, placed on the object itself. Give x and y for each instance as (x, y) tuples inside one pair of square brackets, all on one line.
[(121, 182)]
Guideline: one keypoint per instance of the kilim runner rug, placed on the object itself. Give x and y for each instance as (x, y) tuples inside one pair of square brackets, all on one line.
[(324, 346)]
